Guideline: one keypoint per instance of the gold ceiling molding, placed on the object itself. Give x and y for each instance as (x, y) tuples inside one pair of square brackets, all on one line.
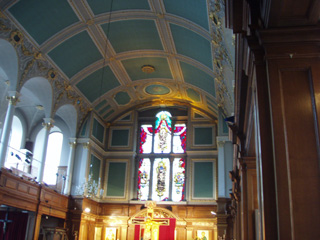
[(148, 69), (90, 22)]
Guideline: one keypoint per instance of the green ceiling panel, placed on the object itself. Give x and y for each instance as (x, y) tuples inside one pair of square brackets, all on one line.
[(100, 105), (194, 95), (131, 35), (93, 86), (75, 54), (198, 78), (103, 6), (201, 47), (43, 18), (103, 110), (214, 106), (108, 114), (122, 98), (195, 11), (133, 67)]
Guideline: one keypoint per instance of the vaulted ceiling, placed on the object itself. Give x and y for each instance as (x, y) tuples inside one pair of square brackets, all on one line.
[(117, 54)]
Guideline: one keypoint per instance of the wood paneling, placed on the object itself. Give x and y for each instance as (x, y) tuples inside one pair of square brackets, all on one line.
[(17, 192), (291, 13), (296, 147)]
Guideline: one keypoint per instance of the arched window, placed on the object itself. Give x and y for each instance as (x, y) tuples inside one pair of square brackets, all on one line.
[(15, 158), (161, 170), (53, 157)]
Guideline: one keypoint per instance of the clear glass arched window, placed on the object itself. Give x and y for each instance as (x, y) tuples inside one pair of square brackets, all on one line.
[(160, 143), (53, 156), (15, 158)]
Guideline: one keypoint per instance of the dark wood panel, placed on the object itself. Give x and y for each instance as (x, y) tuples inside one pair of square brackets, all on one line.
[(287, 13), (302, 152)]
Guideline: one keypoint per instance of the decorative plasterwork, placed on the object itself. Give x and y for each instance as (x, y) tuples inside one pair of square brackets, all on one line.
[(32, 64), (222, 59)]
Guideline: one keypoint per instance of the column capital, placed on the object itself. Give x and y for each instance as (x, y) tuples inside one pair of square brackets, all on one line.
[(72, 142), (221, 140), (13, 97), (48, 123), (86, 145), (221, 143)]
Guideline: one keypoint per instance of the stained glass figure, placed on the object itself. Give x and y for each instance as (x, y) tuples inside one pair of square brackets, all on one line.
[(161, 170), (146, 132), (143, 179), (179, 138), (178, 183), (162, 137)]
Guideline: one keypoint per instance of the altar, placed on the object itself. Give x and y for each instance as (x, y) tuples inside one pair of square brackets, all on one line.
[(154, 224)]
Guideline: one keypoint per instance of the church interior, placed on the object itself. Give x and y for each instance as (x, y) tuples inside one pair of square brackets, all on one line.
[(159, 119)]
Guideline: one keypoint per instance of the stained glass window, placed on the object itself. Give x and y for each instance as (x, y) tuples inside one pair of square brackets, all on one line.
[(162, 137), (178, 182), (161, 171), (179, 138), (143, 178), (146, 132)]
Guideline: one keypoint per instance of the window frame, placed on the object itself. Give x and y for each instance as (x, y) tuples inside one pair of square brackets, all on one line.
[(152, 156)]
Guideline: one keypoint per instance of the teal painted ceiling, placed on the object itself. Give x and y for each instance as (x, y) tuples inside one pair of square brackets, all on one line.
[(101, 46)]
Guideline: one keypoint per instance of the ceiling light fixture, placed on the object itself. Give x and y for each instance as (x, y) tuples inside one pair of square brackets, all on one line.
[(148, 69)]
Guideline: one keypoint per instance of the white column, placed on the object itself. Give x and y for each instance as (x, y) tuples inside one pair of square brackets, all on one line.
[(12, 98), (47, 125), (221, 167), (72, 143)]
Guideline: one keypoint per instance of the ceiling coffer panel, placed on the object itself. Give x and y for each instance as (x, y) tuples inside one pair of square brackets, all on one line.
[(98, 83), (201, 47), (130, 35), (104, 6), (198, 78), (42, 19), (194, 11), (134, 68), (75, 54)]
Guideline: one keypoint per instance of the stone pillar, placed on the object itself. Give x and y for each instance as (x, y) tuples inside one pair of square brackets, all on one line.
[(47, 124), (72, 143), (221, 167), (12, 98)]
